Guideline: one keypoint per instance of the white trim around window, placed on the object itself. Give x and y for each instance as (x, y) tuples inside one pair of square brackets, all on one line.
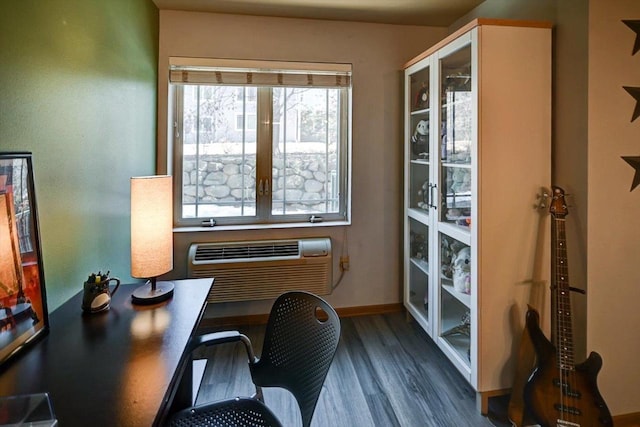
[(287, 164)]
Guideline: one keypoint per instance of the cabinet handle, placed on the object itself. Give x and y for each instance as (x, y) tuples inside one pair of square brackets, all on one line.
[(266, 187), (261, 188), (431, 197)]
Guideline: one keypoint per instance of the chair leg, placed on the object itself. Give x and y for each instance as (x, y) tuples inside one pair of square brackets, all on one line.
[(252, 359), (258, 394)]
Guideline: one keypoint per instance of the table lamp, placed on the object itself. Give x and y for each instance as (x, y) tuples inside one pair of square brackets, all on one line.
[(151, 237)]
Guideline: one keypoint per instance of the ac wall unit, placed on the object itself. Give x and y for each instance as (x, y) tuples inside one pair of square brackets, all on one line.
[(264, 269)]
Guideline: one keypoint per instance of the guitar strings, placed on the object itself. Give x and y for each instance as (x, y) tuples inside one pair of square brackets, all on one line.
[(564, 327), (558, 309)]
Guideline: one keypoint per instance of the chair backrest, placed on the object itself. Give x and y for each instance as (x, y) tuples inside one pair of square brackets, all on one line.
[(300, 341)]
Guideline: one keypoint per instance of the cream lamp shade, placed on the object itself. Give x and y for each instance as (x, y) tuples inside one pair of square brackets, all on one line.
[(151, 236)]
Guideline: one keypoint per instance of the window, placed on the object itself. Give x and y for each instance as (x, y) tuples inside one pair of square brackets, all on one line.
[(260, 142), (251, 121)]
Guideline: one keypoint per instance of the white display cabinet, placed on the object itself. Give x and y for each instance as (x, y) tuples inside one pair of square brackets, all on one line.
[(477, 151)]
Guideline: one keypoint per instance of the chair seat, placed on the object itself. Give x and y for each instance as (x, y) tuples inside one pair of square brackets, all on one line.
[(237, 412)]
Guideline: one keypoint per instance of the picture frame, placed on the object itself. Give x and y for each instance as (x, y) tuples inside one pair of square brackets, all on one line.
[(24, 316)]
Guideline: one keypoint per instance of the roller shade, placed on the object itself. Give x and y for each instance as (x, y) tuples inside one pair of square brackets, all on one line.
[(259, 73)]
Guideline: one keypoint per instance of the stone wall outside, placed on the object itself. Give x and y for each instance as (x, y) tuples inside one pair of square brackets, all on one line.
[(224, 178)]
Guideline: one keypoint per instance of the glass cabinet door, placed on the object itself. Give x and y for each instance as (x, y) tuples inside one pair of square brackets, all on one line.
[(455, 295), (456, 110), (455, 145), (419, 267), (420, 195)]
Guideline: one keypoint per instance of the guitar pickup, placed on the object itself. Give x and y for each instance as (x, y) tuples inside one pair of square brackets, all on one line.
[(563, 423), (567, 409), (566, 390)]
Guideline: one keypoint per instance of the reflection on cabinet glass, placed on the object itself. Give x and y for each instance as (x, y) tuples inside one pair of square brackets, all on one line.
[(456, 195), (456, 137), (419, 187), (419, 267), (455, 295)]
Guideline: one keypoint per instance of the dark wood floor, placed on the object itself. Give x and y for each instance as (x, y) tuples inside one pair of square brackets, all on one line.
[(386, 372)]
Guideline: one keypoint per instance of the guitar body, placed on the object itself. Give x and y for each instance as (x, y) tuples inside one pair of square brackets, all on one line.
[(575, 403)]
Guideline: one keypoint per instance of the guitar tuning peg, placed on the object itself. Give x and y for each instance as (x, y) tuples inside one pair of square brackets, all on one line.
[(542, 199), (567, 196)]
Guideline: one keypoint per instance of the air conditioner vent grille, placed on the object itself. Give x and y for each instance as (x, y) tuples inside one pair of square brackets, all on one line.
[(247, 251), (262, 269)]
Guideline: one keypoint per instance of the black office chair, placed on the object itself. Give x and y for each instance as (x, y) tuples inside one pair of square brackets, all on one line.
[(300, 341)]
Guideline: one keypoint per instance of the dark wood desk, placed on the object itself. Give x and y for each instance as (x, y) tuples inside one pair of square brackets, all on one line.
[(123, 367)]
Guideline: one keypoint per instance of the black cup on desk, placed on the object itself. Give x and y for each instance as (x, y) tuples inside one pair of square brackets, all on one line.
[(97, 295)]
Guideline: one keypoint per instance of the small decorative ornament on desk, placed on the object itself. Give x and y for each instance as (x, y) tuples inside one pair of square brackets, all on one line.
[(96, 295)]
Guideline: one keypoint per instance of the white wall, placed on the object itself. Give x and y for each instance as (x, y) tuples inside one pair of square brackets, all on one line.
[(613, 261), (377, 53)]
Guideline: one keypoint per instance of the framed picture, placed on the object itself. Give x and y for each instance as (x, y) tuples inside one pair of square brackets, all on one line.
[(23, 303)]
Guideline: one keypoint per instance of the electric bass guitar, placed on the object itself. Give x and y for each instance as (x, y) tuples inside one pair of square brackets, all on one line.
[(560, 393)]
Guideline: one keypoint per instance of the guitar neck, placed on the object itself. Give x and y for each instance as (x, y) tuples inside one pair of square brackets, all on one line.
[(563, 325)]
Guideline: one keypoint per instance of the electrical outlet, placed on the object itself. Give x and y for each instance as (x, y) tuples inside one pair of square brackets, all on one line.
[(344, 263)]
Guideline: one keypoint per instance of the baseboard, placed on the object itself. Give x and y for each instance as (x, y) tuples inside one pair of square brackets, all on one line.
[(369, 310), (260, 319), (627, 420)]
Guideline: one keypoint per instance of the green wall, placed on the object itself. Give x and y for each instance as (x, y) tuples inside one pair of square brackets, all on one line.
[(78, 89)]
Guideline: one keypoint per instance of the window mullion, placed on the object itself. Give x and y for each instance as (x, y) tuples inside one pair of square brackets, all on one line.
[(176, 134), (264, 153), (198, 190)]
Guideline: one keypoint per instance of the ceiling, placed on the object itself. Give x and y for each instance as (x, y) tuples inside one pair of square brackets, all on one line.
[(441, 13)]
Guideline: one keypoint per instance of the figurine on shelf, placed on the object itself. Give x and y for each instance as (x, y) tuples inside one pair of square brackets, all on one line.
[(461, 262), (460, 180), (418, 246), (448, 251), (464, 328), (423, 196), (422, 98), (443, 140), (420, 140)]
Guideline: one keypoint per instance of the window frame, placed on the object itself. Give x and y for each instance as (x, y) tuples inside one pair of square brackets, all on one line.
[(264, 215)]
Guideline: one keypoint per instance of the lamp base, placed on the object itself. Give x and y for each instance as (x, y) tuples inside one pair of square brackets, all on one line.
[(152, 292)]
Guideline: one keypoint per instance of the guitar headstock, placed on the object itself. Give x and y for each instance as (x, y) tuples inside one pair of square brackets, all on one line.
[(558, 206)]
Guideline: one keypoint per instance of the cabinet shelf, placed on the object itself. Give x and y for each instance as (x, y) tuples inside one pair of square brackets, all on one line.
[(454, 104), (424, 111), (421, 264), (419, 162), (418, 214), (457, 165), (460, 296), (458, 232)]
